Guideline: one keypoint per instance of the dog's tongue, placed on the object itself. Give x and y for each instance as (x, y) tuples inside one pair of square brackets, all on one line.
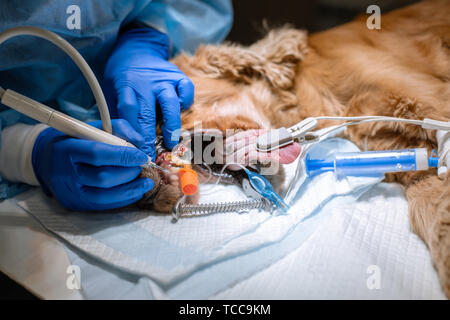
[(241, 148), (289, 153)]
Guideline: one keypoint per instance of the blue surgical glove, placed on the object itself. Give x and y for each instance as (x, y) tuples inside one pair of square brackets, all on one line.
[(138, 77), (87, 175)]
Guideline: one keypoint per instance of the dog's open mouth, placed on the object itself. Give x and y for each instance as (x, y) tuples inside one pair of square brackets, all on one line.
[(207, 152)]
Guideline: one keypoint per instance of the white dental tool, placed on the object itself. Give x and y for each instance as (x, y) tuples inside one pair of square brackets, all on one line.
[(62, 122), (58, 120)]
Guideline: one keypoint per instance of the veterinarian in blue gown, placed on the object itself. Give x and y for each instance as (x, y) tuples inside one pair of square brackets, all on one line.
[(127, 43)]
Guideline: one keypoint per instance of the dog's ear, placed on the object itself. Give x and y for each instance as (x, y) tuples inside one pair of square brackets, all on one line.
[(273, 58), (283, 46)]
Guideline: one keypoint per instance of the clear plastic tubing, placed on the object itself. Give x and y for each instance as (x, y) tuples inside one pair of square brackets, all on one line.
[(372, 163)]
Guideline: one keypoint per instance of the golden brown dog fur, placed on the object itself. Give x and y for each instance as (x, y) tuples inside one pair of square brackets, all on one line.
[(402, 70)]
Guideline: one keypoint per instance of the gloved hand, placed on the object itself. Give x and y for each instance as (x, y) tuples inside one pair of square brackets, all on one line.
[(138, 77), (87, 175)]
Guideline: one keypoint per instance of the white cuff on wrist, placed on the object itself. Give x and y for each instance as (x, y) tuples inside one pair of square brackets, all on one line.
[(16, 151)]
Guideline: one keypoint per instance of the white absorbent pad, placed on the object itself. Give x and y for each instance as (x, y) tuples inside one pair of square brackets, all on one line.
[(364, 249), (200, 256)]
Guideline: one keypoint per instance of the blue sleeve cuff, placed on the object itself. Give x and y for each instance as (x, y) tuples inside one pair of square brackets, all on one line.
[(189, 23), (157, 40)]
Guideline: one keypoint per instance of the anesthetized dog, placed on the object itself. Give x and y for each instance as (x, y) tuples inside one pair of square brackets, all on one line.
[(400, 70)]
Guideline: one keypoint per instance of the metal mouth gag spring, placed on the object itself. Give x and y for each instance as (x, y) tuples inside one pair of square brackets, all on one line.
[(203, 209)]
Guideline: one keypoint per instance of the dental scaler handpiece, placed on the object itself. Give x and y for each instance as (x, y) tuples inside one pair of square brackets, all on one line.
[(62, 122), (372, 163)]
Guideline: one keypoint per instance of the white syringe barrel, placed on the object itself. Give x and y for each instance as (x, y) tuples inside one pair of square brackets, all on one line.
[(372, 163), (379, 162), (58, 120)]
